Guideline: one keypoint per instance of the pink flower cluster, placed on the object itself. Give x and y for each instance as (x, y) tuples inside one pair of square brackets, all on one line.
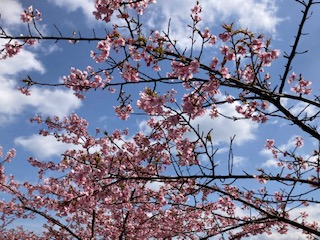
[(214, 111), (225, 36), (184, 71), (106, 8), (251, 111), (211, 88), (212, 39), (260, 179), (10, 155), (227, 53), (104, 47), (299, 141), (302, 87), (123, 112), (81, 81), (129, 73), (24, 90), (266, 58), (10, 50), (297, 162), (185, 150), (112, 40), (152, 103), (224, 71), (269, 143), (192, 105), (214, 62), (248, 74), (196, 10), (257, 44), (30, 14)]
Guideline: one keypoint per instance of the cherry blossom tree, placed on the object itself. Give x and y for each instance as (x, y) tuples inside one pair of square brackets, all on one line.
[(103, 188)]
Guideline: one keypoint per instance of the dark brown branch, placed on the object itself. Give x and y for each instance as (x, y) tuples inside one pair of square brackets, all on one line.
[(264, 212), (295, 45), (54, 221)]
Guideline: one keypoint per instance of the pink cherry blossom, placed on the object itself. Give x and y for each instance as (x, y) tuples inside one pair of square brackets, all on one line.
[(129, 73), (257, 44), (225, 36), (24, 91), (214, 111), (10, 155), (292, 78), (169, 179), (30, 14), (229, 99), (225, 72), (11, 49), (269, 143), (123, 112), (302, 87), (299, 141), (214, 62)]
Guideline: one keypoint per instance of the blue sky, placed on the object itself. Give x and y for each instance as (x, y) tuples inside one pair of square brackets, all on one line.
[(49, 62)]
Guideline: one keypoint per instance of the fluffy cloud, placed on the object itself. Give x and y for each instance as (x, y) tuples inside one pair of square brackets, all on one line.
[(296, 108), (24, 61), (239, 160), (46, 101), (43, 101), (271, 161), (86, 6), (49, 145), (223, 129), (252, 14), (155, 186), (313, 215), (10, 11), (302, 108), (258, 16)]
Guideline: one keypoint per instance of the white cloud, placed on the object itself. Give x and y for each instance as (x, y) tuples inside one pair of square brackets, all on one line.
[(24, 61), (46, 101), (45, 48), (223, 129), (303, 108), (296, 108), (10, 11), (155, 186), (43, 101), (86, 6), (313, 215), (257, 16), (49, 145), (252, 14), (143, 126), (53, 102), (271, 161), (238, 160), (313, 212)]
